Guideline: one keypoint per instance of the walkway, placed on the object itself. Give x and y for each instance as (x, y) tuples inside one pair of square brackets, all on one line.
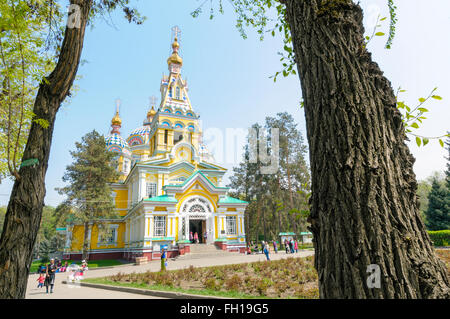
[(63, 291)]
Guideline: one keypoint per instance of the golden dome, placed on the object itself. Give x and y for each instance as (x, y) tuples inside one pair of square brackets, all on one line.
[(175, 58), (116, 120), (151, 112)]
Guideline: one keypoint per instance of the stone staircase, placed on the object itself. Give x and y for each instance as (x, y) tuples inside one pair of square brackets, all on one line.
[(205, 251)]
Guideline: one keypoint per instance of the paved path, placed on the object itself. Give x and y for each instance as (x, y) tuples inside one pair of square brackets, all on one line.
[(63, 291)]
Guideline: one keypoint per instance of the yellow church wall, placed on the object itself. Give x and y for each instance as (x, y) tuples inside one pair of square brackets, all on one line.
[(77, 237), (121, 198), (160, 209), (215, 227), (231, 209)]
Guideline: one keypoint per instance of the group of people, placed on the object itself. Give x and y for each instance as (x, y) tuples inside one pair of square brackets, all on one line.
[(291, 247), (58, 264), (47, 273), (193, 237)]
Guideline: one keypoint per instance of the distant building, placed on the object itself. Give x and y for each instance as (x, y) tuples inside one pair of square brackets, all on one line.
[(169, 185)]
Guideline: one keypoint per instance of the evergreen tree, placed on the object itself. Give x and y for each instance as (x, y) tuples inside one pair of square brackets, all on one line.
[(89, 192), (278, 201), (447, 172), (438, 216)]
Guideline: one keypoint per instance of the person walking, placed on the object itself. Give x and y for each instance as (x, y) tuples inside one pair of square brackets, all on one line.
[(266, 250), (286, 246), (163, 259), (191, 238), (291, 246), (196, 237), (50, 276), (205, 235), (41, 280), (275, 248), (296, 246)]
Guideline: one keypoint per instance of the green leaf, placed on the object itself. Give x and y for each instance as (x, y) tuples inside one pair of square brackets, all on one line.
[(421, 100), (415, 125), (425, 141), (379, 34), (441, 142), (422, 109), (437, 97), (382, 19), (418, 141)]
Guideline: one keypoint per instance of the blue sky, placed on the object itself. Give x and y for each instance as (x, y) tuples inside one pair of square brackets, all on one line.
[(229, 76)]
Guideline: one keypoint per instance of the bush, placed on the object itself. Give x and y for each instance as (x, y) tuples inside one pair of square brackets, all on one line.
[(440, 237)]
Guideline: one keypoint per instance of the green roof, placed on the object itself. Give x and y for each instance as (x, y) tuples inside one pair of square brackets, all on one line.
[(305, 233), (162, 198), (231, 200), (191, 177), (286, 234)]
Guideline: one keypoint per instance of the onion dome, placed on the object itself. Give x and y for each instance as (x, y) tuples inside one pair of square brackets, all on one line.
[(116, 120), (114, 142), (139, 136), (175, 58), (150, 114)]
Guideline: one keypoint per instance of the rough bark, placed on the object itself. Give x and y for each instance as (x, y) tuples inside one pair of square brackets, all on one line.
[(25, 206), (364, 204)]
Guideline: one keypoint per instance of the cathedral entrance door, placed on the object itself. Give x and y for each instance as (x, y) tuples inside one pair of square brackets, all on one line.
[(197, 226)]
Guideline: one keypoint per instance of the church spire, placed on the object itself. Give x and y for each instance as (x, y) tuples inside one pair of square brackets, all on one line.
[(175, 61), (116, 122)]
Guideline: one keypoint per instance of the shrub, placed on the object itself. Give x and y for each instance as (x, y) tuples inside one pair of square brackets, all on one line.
[(440, 237), (233, 283)]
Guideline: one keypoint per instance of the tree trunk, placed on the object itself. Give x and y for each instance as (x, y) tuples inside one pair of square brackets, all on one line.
[(364, 206), (25, 206), (86, 242)]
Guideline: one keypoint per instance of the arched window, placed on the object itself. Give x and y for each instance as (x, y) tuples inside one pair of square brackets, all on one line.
[(197, 209), (189, 114), (178, 97)]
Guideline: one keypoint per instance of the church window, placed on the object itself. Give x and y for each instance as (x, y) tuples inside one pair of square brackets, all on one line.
[(110, 235), (231, 225), (178, 125), (178, 113), (160, 226), (177, 137), (151, 190), (178, 93), (126, 166), (196, 208), (189, 114), (165, 136)]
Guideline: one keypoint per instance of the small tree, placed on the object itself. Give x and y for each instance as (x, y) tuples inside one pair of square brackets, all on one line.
[(89, 193), (438, 216)]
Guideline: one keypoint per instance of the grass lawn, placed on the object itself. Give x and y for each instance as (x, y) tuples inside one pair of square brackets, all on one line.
[(292, 277), (91, 263)]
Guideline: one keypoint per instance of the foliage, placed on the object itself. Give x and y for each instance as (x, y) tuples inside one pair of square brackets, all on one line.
[(285, 278), (413, 116), (438, 212), (89, 192), (23, 63), (440, 238), (278, 201)]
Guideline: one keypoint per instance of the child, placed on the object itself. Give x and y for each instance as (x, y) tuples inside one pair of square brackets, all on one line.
[(41, 280)]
